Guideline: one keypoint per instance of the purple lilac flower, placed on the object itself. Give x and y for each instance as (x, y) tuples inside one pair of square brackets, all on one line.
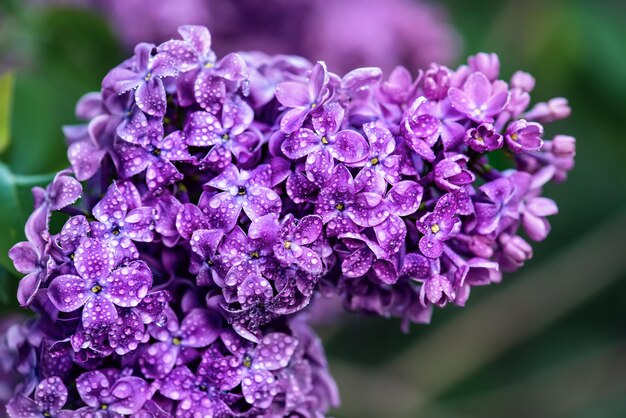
[(99, 286), (122, 220), (241, 190), (50, 396), (219, 203), (199, 329), (522, 135), (109, 391), (483, 138), (303, 98), (478, 99), (325, 143), (144, 77), (438, 226)]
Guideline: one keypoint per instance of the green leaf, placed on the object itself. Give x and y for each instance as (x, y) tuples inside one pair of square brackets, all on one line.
[(15, 209), (6, 101)]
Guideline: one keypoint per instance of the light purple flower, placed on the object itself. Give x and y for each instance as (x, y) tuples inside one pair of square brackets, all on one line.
[(479, 100), (227, 138), (451, 173), (31, 257), (381, 166), (121, 221), (204, 79), (241, 190), (524, 136), (155, 158), (438, 226), (197, 394), (343, 210), (324, 143), (303, 98)]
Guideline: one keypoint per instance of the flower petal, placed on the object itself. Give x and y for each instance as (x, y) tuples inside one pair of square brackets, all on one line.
[(128, 285)]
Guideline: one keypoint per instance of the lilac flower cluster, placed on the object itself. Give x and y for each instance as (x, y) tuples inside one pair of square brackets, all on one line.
[(210, 199)]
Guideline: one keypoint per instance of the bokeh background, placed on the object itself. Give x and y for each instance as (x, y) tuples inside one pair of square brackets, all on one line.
[(548, 342)]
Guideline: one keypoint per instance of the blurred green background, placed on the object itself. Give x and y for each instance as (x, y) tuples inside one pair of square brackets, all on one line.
[(548, 342)]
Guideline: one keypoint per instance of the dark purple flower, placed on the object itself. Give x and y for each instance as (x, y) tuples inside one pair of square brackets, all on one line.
[(483, 138), (205, 262), (143, 76), (324, 143), (98, 286), (50, 396), (367, 258), (438, 226), (479, 100), (524, 136), (303, 98), (250, 366), (110, 393), (176, 343)]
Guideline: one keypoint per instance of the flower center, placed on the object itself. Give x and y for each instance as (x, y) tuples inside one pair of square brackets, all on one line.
[(313, 105), (177, 341), (148, 77), (287, 244), (247, 361), (46, 414), (515, 137), (374, 161), (255, 255), (116, 230), (340, 206), (480, 139), (156, 152), (104, 407), (435, 228), (242, 191), (203, 387), (225, 137), (324, 140), (209, 65), (96, 289)]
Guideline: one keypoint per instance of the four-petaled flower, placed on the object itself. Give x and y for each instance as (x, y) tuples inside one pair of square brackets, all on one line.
[(98, 286), (143, 76), (325, 143), (480, 100)]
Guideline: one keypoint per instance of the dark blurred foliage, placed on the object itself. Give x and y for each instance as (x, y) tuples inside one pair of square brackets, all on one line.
[(572, 364)]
